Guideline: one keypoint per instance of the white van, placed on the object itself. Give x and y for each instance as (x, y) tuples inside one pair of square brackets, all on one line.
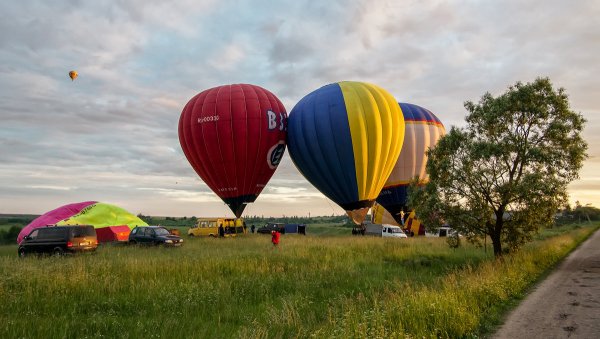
[(392, 231), (444, 231)]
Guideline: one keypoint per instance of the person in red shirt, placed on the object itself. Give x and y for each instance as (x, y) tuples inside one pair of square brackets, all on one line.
[(275, 238)]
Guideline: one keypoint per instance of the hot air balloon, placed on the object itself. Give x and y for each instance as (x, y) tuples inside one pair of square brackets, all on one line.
[(234, 138), (423, 130), (379, 215), (412, 225), (98, 214), (345, 138), (73, 75)]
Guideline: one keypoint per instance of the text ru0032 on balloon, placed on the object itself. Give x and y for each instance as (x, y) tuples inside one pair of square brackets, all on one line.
[(208, 119)]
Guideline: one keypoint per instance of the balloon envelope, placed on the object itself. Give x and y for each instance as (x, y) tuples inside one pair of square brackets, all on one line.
[(345, 138), (380, 215), (423, 130), (234, 138), (93, 213), (73, 75)]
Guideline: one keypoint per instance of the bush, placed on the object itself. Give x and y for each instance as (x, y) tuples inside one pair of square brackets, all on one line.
[(9, 236)]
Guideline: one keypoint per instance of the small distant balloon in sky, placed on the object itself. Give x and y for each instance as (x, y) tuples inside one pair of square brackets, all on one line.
[(73, 75)]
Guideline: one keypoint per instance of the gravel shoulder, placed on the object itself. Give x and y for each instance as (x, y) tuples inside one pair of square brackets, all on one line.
[(564, 305)]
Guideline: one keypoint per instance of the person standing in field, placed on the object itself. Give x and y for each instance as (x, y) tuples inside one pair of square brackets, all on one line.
[(221, 231), (275, 238)]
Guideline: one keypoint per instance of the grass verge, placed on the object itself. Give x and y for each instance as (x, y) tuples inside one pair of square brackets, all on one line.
[(311, 286)]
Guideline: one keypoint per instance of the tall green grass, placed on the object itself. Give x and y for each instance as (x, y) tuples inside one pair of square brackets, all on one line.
[(308, 287)]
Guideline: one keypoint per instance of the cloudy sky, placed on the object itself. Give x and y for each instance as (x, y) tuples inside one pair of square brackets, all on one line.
[(111, 135)]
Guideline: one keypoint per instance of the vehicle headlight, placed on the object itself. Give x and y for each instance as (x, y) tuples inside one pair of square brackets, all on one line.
[(180, 240), (168, 241)]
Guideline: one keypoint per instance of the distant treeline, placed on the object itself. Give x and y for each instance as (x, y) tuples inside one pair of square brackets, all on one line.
[(334, 219), (578, 214), (16, 219), (256, 220), (11, 224), (9, 235)]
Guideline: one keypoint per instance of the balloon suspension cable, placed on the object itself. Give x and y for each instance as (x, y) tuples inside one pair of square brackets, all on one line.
[(330, 206)]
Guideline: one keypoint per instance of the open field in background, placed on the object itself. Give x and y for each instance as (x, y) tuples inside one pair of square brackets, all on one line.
[(314, 285)]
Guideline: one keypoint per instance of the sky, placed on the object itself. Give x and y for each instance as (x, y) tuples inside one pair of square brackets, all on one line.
[(111, 135)]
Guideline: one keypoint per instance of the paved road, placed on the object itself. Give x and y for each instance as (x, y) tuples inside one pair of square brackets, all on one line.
[(566, 304)]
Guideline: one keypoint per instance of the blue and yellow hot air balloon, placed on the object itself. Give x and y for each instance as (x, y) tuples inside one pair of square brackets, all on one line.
[(345, 138), (423, 130)]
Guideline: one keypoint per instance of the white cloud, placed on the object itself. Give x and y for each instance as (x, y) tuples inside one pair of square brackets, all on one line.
[(112, 134)]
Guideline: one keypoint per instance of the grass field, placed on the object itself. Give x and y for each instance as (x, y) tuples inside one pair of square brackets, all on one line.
[(321, 285)]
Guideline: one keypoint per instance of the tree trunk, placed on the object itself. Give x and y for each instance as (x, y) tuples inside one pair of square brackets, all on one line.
[(496, 243), (497, 231)]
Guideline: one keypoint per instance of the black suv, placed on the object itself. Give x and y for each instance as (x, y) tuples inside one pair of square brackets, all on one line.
[(59, 240), (153, 235), (268, 228)]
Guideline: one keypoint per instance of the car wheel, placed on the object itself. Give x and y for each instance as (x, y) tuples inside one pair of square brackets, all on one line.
[(57, 251), (22, 252)]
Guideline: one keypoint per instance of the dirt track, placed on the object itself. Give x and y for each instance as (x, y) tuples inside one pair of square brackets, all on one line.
[(566, 304)]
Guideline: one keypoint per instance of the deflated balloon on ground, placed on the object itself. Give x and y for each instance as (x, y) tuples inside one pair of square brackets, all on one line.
[(98, 214)]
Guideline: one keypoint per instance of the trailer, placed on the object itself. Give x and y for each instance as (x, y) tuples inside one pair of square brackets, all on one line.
[(113, 234)]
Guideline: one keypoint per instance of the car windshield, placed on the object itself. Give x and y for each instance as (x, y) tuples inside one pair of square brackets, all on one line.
[(161, 231)]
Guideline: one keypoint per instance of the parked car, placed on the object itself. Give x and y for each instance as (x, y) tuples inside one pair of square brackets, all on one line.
[(59, 240), (153, 235), (269, 227)]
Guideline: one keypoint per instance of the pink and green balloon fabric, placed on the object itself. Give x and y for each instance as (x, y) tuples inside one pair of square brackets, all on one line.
[(93, 213)]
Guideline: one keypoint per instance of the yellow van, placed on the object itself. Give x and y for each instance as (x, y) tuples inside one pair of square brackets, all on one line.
[(210, 227)]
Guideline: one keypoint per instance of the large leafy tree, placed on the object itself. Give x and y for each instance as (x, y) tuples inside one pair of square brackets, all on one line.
[(506, 173)]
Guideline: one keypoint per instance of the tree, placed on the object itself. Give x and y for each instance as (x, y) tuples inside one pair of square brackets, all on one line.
[(506, 174)]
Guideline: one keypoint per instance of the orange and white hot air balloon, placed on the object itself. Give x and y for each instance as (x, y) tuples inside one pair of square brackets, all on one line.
[(423, 130)]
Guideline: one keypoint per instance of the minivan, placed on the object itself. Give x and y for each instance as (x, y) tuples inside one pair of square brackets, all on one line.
[(59, 240), (210, 227)]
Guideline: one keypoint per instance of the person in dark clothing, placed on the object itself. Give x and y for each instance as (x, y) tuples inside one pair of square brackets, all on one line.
[(221, 231), (252, 228)]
